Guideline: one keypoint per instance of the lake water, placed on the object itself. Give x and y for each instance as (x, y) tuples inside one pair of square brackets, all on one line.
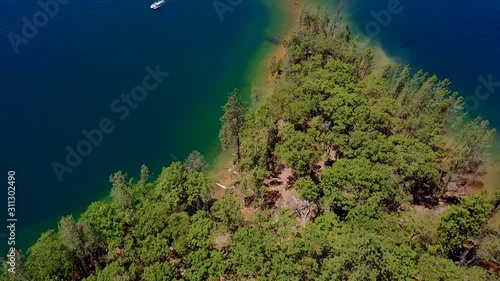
[(66, 78), (453, 39), (70, 76)]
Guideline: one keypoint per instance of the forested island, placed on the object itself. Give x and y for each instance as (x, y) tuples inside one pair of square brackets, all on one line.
[(342, 173)]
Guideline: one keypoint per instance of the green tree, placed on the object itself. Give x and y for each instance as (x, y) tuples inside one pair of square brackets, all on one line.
[(120, 191), (106, 220), (227, 210), (232, 121), (350, 183), (144, 177), (114, 272), (151, 220), (355, 257), (19, 273), (258, 137), (199, 232), (417, 167), (180, 189), (177, 231), (154, 248), (94, 243), (307, 188), (489, 249), (71, 235), (471, 151), (161, 271), (463, 222), (171, 186), (198, 187), (437, 269), (48, 259), (297, 149), (248, 252), (195, 162)]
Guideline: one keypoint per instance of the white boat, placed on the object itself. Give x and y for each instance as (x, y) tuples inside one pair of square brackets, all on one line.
[(157, 4)]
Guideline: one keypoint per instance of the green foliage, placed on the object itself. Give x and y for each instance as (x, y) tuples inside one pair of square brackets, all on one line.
[(350, 183), (248, 254), (463, 222), (199, 232), (161, 271), (197, 189), (122, 197), (307, 188), (232, 121), (114, 272), (422, 228), (19, 273), (489, 249), (153, 248), (180, 189), (195, 162), (297, 150), (252, 181), (71, 235), (440, 269), (144, 174), (437, 269), (361, 145), (226, 210), (106, 220), (362, 256), (258, 136), (170, 185), (151, 220), (470, 152), (49, 259)]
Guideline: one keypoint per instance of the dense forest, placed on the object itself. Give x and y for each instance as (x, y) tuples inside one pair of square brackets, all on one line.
[(342, 173)]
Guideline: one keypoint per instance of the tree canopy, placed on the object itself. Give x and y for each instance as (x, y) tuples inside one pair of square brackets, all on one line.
[(343, 173)]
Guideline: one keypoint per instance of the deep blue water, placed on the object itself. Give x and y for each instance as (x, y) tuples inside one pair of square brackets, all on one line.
[(458, 40), (66, 77), (89, 53)]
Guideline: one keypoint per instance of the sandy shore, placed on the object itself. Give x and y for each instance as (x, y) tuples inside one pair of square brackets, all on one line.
[(285, 18), (288, 11)]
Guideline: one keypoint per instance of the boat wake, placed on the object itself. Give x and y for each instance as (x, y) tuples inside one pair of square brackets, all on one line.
[(157, 4), (160, 3)]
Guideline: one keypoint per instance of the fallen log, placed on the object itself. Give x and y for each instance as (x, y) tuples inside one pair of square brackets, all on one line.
[(223, 186)]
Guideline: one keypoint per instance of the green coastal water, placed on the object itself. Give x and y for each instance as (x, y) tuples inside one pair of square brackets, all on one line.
[(91, 53)]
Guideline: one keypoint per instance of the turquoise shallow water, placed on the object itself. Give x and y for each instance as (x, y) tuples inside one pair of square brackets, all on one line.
[(66, 78)]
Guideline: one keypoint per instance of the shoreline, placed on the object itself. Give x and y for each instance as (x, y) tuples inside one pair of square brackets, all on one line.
[(262, 77), (31, 233), (284, 16), (486, 182), (153, 226)]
